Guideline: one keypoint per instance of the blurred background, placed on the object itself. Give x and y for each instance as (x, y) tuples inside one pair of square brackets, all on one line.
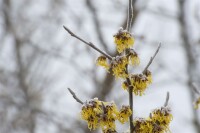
[(39, 60)]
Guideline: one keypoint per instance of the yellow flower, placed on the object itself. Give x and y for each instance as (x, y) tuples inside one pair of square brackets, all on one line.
[(143, 126), (125, 85), (124, 114), (107, 123), (102, 61), (118, 66), (158, 122), (161, 118), (111, 110), (90, 112), (133, 58), (109, 116), (149, 76), (139, 83), (197, 103), (123, 40), (109, 131), (98, 113)]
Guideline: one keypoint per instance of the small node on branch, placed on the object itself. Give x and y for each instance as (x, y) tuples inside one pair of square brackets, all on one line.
[(74, 96)]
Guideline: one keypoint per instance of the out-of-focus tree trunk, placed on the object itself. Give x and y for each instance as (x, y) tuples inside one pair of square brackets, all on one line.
[(27, 115), (192, 61)]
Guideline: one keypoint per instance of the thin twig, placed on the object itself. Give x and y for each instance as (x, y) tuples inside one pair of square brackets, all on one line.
[(130, 16), (74, 96), (195, 89), (88, 43), (167, 100), (151, 59), (96, 23)]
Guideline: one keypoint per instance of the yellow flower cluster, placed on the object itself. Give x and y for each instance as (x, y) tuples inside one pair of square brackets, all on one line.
[(124, 114), (125, 85), (103, 114), (102, 61), (99, 114), (118, 66), (133, 58), (197, 103), (149, 76), (162, 118), (109, 116), (123, 40), (143, 125), (91, 111), (110, 131), (140, 82), (158, 122)]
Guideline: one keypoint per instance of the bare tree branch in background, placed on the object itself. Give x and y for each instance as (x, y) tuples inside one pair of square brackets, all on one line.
[(97, 23), (21, 72), (191, 60)]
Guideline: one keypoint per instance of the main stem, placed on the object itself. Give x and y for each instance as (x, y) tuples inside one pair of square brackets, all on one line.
[(130, 88), (130, 91)]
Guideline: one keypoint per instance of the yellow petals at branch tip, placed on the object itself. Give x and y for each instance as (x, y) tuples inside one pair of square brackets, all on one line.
[(143, 125), (100, 114), (109, 131), (139, 82), (107, 121), (125, 85), (104, 114), (197, 103), (149, 76), (118, 67), (135, 61), (123, 40), (90, 112), (158, 122), (162, 117), (133, 58), (103, 61), (124, 114)]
